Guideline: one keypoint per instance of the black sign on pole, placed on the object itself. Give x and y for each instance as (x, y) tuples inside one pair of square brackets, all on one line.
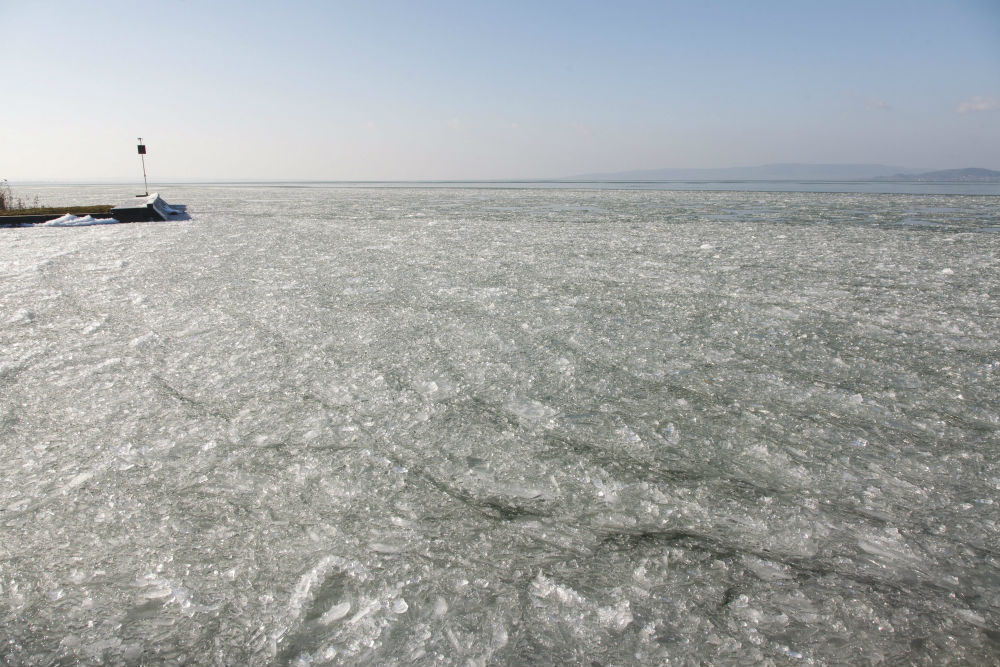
[(142, 149)]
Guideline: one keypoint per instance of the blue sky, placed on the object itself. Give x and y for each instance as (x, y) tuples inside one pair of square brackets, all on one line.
[(475, 90)]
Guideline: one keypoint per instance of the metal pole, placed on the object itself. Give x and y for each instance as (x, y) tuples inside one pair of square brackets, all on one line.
[(142, 155)]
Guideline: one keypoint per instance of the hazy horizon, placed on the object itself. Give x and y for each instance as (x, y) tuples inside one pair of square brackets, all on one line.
[(448, 91), (771, 173)]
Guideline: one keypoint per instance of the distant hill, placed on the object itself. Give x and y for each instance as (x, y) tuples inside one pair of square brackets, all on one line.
[(968, 175), (767, 172)]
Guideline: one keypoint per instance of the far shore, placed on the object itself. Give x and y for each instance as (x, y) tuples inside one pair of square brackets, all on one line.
[(48, 210)]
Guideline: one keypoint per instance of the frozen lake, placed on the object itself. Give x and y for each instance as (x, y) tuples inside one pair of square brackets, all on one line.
[(435, 426)]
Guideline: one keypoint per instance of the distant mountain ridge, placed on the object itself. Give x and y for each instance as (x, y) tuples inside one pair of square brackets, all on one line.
[(967, 175), (800, 172)]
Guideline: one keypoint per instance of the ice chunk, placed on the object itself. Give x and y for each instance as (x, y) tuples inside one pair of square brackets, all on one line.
[(617, 617), (335, 613), (529, 409), (440, 606)]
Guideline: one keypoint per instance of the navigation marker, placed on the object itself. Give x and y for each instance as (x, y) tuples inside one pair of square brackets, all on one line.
[(142, 156)]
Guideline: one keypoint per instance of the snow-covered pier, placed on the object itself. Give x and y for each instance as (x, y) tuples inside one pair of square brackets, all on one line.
[(150, 208)]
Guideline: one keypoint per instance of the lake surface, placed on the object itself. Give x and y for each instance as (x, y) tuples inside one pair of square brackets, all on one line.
[(502, 426)]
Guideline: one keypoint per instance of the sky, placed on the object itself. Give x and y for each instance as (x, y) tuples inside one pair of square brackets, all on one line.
[(466, 90)]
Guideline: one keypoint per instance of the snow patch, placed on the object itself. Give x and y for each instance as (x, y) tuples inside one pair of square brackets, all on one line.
[(70, 220)]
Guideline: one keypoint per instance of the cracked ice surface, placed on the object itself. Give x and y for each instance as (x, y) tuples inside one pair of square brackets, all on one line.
[(497, 426)]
